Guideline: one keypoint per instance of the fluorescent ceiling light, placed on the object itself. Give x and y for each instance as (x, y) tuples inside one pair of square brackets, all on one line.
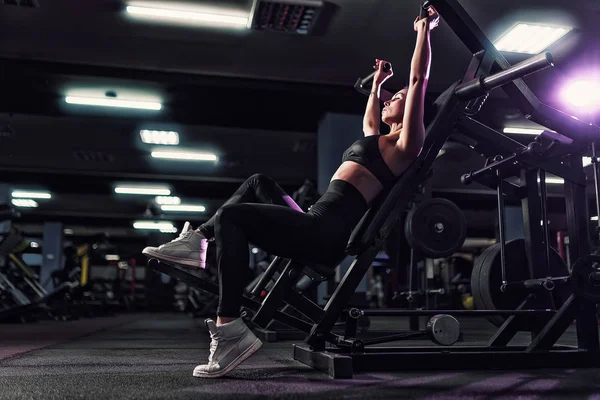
[(68, 231), (31, 195), (594, 218), (176, 155), (167, 200), (112, 257), (111, 102), (529, 38), (153, 225), (183, 208), (160, 137), (553, 180), (144, 190), (24, 203), (35, 245), (201, 18), (523, 131)]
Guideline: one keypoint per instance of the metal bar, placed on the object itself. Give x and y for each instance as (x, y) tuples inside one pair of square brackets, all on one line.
[(213, 288), (510, 328), (596, 165), (532, 229), (267, 276), (520, 70), (555, 328), (583, 133), (303, 305), (492, 142), (545, 229), (507, 163), (548, 283), (342, 294), (579, 245), (501, 226), (473, 37), (481, 85), (274, 298), (461, 313), (476, 41), (393, 338)]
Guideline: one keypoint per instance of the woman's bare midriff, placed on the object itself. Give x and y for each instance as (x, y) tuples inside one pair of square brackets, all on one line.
[(362, 179)]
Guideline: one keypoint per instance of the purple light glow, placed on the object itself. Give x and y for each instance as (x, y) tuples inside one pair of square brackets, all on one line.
[(583, 94)]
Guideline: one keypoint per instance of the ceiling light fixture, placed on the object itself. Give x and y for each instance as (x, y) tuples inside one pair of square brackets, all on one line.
[(152, 225), (183, 208), (143, 190), (553, 180), (530, 38), (31, 194), (184, 156), (160, 137), (523, 131), (167, 200), (24, 203), (200, 18), (112, 102)]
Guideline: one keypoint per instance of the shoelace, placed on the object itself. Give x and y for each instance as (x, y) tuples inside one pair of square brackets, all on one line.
[(182, 235)]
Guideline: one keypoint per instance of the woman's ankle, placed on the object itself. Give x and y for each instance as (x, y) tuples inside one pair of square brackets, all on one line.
[(225, 320)]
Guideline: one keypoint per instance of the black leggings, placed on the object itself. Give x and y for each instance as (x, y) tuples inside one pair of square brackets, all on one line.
[(261, 213)]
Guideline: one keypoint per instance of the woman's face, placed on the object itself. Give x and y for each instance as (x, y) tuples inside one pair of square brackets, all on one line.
[(393, 110)]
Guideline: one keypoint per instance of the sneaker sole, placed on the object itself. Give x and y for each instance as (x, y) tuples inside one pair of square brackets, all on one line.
[(241, 358), (174, 260)]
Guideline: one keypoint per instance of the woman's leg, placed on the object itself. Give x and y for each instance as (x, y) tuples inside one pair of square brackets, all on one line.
[(191, 248), (258, 188), (277, 230)]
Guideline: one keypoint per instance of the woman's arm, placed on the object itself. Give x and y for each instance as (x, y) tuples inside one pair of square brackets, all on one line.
[(413, 136), (373, 113)]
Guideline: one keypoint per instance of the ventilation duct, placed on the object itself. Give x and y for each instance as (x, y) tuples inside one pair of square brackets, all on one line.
[(301, 17), (21, 3)]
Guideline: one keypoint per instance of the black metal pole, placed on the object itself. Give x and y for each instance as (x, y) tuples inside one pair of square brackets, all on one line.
[(462, 313), (596, 165), (545, 230), (501, 225)]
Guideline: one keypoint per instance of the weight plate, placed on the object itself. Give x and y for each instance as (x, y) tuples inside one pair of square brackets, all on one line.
[(436, 228), (475, 288), (585, 278), (443, 329), (486, 278)]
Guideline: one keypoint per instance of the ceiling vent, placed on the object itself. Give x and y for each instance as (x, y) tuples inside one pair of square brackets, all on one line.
[(6, 131), (93, 156), (21, 3), (301, 17)]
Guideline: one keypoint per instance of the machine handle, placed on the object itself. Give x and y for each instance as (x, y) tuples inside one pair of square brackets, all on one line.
[(481, 85)]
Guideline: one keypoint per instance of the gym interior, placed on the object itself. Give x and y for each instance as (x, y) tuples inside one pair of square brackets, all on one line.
[(475, 275)]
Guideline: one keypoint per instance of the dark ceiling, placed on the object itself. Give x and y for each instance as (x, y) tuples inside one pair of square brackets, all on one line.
[(255, 98)]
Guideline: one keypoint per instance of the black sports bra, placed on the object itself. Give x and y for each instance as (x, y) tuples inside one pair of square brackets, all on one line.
[(366, 152)]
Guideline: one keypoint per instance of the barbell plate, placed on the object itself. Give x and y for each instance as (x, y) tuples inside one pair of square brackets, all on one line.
[(443, 329), (584, 278), (436, 228), (486, 280)]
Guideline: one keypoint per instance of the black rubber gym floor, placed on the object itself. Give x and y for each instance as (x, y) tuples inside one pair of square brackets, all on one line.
[(152, 357)]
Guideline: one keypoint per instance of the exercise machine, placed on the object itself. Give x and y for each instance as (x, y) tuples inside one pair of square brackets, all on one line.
[(545, 313)]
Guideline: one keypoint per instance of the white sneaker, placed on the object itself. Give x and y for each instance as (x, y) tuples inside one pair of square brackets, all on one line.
[(189, 249), (231, 345)]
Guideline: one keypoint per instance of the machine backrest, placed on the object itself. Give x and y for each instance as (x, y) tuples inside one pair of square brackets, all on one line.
[(387, 208)]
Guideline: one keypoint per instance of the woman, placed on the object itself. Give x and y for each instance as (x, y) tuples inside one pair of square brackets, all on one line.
[(260, 212)]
